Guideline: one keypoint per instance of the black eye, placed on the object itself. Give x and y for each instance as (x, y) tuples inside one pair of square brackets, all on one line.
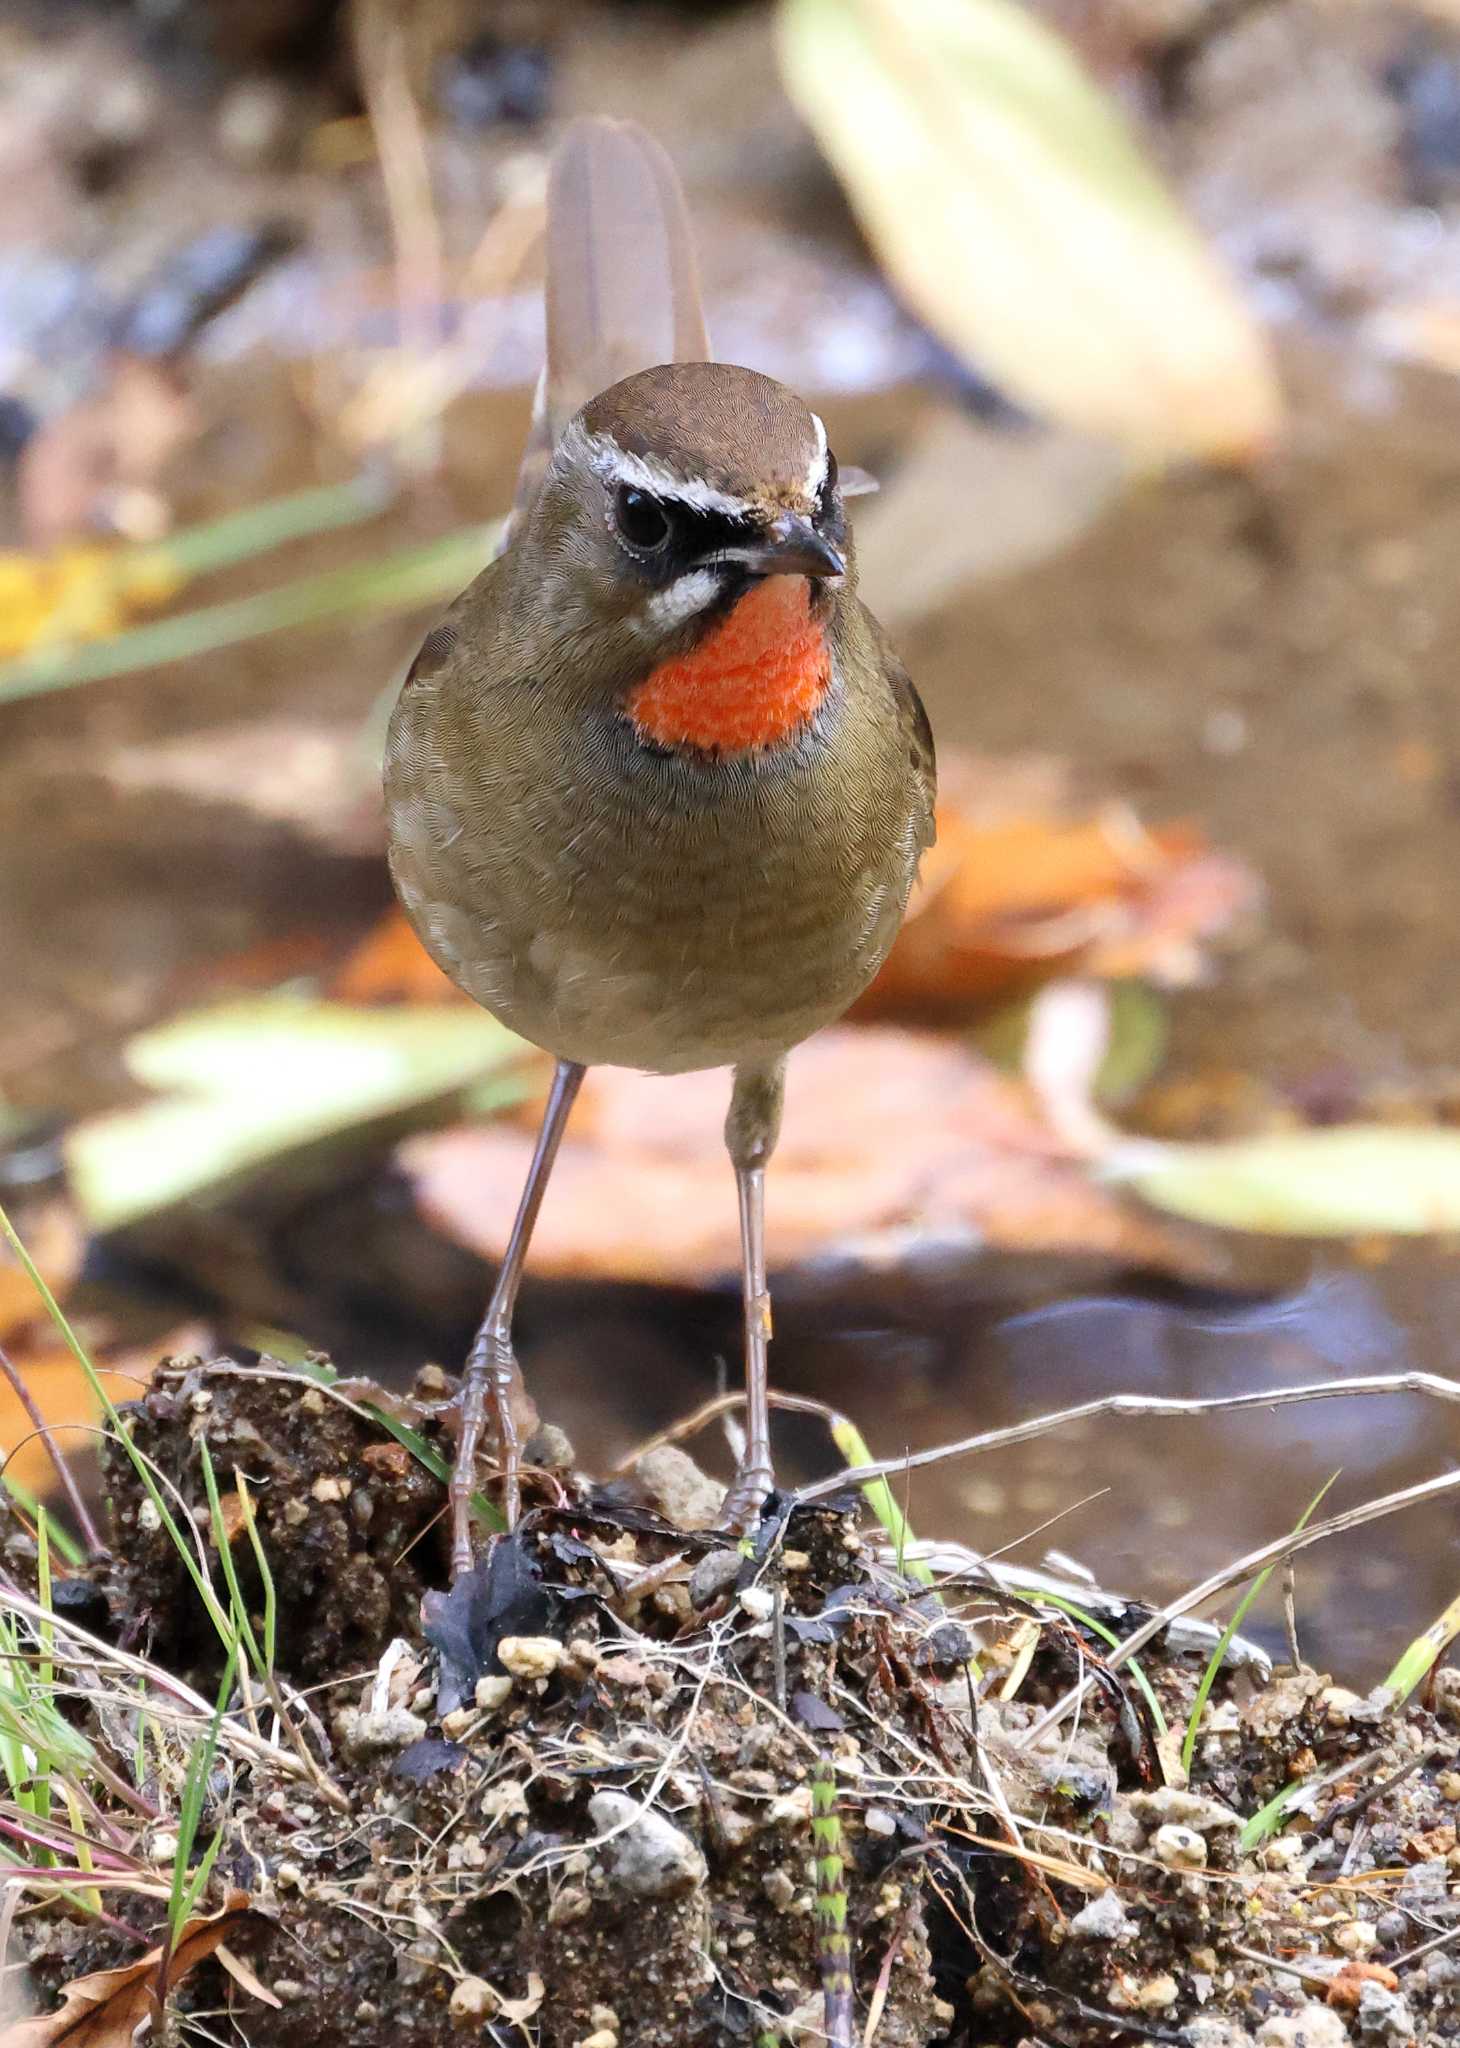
[(640, 519)]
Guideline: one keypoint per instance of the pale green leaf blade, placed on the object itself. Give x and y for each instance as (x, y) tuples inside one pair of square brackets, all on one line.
[(1013, 209), (1358, 1179), (243, 1082)]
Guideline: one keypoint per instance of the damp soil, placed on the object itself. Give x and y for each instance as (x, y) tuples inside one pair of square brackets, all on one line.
[(628, 1783)]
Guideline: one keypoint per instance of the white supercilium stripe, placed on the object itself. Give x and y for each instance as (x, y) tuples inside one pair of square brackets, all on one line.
[(642, 473)]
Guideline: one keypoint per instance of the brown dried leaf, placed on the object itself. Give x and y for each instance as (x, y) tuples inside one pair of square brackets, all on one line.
[(891, 1138), (105, 2009), (516, 2010)]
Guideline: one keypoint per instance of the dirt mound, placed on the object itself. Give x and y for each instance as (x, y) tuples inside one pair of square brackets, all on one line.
[(630, 1784)]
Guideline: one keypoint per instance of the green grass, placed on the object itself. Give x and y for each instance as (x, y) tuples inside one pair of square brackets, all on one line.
[(879, 1498), (61, 1540), (196, 1567), (1423, 1653), (1214, 1662), (1106, 1635), (406, 580), (189, 1884), (1269, 1818)]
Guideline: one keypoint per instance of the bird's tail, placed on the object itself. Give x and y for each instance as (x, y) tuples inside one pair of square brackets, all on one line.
[(623, 288)]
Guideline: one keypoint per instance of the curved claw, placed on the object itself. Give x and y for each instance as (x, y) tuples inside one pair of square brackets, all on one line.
[(487, 1383), (741, 1510)]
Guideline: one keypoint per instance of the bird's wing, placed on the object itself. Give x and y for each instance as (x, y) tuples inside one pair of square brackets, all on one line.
[(623, 287)]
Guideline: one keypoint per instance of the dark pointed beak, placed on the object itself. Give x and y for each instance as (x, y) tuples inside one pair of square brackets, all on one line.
[(791, 547)]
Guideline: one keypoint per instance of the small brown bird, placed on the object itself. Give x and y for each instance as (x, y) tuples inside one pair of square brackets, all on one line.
[(657, 786)]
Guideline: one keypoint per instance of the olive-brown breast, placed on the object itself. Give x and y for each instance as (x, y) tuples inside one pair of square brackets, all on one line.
[(666, 906)]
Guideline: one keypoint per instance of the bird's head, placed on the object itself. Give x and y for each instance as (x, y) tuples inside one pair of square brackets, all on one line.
[(671, 495)]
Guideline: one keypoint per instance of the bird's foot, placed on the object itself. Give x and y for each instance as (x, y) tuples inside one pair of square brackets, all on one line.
[(487, 1385), (741, 1509)]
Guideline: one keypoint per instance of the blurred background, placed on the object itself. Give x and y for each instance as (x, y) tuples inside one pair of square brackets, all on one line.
[(1146, 314)]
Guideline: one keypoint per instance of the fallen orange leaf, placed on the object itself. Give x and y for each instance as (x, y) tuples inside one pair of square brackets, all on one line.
[(52, 1378), (893, 1140), (1021, 887), (106, 2009), (391, 965)]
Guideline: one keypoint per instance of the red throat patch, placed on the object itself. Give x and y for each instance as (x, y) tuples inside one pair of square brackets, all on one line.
[(752, 682)]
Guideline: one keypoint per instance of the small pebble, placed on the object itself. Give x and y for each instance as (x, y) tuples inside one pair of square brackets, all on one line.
[(1157, 1993), (759, 1602), (715, 1573), (601, 2037), (1179, 1848), (1355, 1937), (493, 1690), (683, 1493), (364, 1730), (1383, 2015), (328, 1487), (473, 1999), (549, 1448), (1102, 1919), (650, 1858), (1339, 1704), (1208, 2031), (1183, 1809), (1313, 2026), (530, 1656), (779, 1889)]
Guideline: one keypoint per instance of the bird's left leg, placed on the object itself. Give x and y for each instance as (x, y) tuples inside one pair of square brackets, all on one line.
[(751, 1130), (491, 1369)]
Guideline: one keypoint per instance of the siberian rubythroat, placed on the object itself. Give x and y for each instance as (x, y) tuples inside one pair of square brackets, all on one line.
[(657, 786)]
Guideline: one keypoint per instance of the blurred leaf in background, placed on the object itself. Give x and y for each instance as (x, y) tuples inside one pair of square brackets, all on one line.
[(941, 1152), (1010, 205), (1025, 884), (242, 1083), (1358, 1179)]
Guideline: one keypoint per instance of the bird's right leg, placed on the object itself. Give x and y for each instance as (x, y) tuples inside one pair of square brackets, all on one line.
[(750, 1137), (491, 1369)]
